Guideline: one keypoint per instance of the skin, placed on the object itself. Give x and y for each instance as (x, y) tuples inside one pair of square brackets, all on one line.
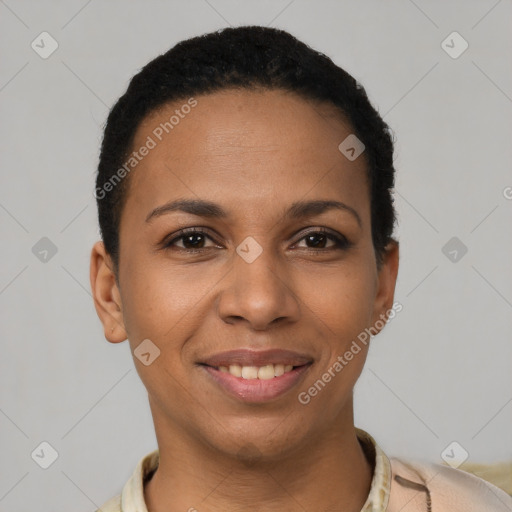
[(254, 153)]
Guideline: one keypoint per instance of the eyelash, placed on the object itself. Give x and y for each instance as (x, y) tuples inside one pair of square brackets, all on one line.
[(341, 242)]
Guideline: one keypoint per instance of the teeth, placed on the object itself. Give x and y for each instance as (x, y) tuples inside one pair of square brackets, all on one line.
[(249, 372), (266, 372), (278, 370), (235, 370)]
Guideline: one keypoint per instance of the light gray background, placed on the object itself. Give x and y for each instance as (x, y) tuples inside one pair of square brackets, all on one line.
[(440, 372)]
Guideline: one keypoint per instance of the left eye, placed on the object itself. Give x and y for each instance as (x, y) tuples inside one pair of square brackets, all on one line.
[(319, 238)]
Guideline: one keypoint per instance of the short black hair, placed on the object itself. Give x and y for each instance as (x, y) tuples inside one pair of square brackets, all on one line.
[(244, 57)]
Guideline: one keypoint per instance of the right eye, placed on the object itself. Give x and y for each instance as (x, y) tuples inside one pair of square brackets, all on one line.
[(192, 239)]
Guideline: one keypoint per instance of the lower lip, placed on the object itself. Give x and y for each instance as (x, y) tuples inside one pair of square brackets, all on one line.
[(257, 390)]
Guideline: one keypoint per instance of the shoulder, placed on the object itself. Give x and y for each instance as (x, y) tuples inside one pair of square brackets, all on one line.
[(419, 485), (112, 505)]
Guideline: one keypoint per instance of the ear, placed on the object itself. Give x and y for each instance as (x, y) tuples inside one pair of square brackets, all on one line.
[(386, 281), (105, 292)]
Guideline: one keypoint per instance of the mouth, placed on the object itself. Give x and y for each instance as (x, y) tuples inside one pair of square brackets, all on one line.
[(256, 377), (266, 372)]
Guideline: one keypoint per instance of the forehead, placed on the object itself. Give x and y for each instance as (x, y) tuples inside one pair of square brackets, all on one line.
[(248, 150)]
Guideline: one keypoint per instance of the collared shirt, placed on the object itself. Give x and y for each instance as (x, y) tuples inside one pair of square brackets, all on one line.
[(131, 498), (397, 486)]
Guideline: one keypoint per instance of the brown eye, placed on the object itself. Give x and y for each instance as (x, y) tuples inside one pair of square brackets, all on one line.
[(192, 239), (196, 241), (317, 240)]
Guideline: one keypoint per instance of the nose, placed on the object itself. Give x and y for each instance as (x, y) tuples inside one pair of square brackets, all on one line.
[(258, 293)]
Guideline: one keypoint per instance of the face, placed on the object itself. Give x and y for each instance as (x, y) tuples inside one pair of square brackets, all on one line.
[(275, 272)]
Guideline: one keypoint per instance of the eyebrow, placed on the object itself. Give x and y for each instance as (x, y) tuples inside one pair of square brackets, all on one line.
[(208, 209)]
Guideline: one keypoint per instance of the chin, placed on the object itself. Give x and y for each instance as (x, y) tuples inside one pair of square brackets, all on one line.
[(251, 440)]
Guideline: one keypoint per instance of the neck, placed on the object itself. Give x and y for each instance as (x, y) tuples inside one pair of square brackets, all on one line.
[(328, 473)]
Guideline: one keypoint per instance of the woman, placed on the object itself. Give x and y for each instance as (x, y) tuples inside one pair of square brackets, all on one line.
[(244, 196)]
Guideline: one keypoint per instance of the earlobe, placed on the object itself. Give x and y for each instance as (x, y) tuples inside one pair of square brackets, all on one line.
[(105, 292), (386, 280)]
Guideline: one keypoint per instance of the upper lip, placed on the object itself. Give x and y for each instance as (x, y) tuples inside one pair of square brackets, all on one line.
[(248, 357)]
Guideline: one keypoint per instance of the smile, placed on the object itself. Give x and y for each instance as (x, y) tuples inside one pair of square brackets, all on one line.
[(251, 382), (267, 372), (256, 376)]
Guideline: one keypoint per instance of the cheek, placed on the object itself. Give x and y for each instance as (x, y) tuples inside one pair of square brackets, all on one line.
[(341, 304), (161, 306), (159, 301), (341, 300)]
